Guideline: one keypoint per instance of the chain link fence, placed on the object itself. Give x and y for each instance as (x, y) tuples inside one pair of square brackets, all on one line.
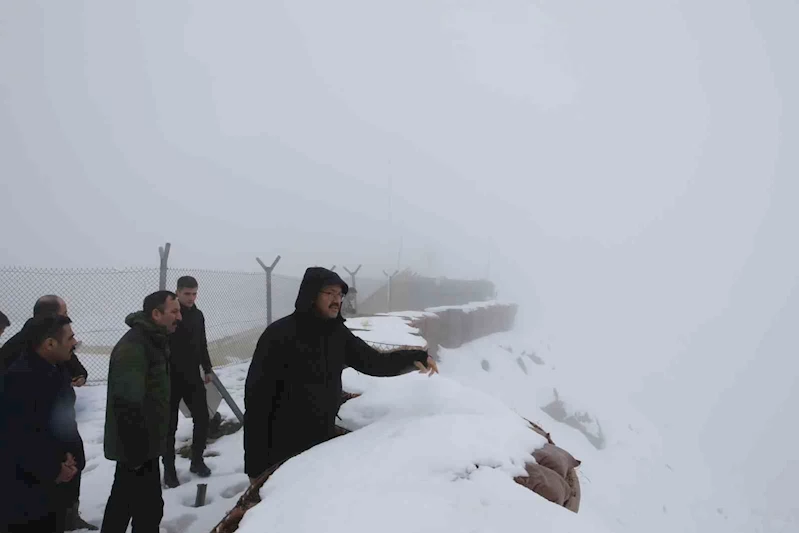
[(98, 300)]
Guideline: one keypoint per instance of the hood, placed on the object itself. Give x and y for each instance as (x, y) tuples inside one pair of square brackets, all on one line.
[(312, 282), (143, 322)]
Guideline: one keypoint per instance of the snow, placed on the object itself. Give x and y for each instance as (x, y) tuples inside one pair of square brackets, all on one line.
[(439, 454), (428, 452), (386, 330), (473, 306), (224, 486)]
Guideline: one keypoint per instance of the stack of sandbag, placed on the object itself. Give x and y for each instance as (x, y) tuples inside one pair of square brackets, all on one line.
[(553, 477)]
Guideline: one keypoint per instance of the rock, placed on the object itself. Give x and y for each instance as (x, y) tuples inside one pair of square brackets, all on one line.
[(579, 420)]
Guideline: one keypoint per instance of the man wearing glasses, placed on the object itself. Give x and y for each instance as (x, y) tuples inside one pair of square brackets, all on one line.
[(293, 388)]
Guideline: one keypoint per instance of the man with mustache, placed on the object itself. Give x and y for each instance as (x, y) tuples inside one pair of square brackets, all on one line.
[(16, 346), (137, 415), (293, 388), (40, 447)]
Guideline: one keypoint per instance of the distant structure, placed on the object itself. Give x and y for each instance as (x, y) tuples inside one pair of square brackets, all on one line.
[(349, 307), (412, 292)]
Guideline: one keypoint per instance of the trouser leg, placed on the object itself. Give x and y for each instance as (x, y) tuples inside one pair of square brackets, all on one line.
[(195, 398), (175, 395), (148, 507), (118, 508), (40, 525)]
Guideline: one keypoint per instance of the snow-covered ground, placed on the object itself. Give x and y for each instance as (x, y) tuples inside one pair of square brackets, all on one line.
[(439, 454)]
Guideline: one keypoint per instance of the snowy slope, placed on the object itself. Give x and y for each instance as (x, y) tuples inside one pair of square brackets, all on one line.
[(428, 455), (410, 466)]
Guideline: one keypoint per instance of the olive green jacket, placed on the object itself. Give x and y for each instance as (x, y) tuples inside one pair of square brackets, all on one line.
[(137, 405)]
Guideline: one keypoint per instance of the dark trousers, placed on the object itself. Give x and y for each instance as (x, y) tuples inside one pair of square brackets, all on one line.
[(135, 495), (52, 523), (69, 493), (193, 393)]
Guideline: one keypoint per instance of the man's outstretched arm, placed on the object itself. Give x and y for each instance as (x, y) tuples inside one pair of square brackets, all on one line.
[(366, 359)]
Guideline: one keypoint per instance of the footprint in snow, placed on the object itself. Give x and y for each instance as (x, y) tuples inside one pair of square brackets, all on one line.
[(179, 524), (235, 489)]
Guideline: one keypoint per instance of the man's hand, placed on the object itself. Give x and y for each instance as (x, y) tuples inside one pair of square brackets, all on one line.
[(79, 381), (207, 377), (429, 368), (68, 470)]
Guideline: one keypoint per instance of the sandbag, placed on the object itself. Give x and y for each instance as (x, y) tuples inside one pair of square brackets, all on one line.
[(546, 483), (555, 458)]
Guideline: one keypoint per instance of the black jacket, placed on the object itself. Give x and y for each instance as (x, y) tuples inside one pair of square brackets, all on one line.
[(188, 345), (293, 388), (37, 429), (17, 345)]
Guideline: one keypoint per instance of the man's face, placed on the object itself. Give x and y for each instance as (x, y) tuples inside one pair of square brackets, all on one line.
[(61, 349), (171, 315), (328, 301), (187, 297), (2, 330)]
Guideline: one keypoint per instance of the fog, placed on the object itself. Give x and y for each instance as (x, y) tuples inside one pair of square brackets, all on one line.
[(625, 170)]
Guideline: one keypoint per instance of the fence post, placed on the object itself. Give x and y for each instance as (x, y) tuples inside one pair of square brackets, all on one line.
[(163, 251), (352, 285), (268, 270), (390, 279)]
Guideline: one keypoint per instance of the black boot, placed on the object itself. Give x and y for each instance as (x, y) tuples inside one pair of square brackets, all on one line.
[(198, 466), (73, 521), (170, 475)]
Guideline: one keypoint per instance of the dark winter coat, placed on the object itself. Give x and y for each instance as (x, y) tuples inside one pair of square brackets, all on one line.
[(293, 388), (37, 430), (188, 346), (137, 405)]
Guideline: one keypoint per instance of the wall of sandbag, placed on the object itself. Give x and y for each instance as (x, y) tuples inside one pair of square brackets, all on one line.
[(452, 327)]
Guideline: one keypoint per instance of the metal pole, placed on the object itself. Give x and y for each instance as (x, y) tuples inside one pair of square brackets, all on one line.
[(163, 252), (268, 270), (352, 277), (199, 499), (352, 274), (226, 395), (390, 279)]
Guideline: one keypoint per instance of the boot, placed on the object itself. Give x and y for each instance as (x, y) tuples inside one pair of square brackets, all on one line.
[(170, 475), (73, 521), (198, 466)]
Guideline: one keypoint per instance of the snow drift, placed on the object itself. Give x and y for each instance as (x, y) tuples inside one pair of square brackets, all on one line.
[(430, 453)]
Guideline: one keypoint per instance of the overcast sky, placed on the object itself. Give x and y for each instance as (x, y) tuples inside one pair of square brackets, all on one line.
[(628, 169)]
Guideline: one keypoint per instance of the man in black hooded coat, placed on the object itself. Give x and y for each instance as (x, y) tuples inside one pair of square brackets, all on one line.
[(293, 388)]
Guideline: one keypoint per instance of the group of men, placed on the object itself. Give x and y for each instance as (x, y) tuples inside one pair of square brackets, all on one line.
[(292, 395)]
